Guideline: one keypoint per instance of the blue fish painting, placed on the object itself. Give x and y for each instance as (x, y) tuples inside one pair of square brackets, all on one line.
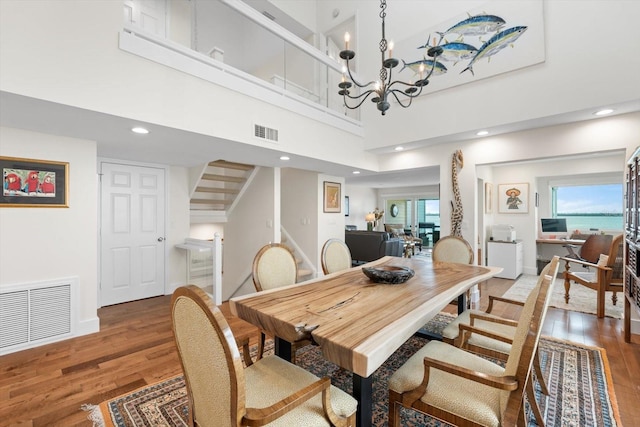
[(476, 25), (495, 44), (454, 51), (438, 67)]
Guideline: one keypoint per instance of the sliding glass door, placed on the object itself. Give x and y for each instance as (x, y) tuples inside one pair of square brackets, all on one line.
[(418, 216)]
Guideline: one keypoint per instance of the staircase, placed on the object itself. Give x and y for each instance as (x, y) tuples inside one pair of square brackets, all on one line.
[(217, 188)]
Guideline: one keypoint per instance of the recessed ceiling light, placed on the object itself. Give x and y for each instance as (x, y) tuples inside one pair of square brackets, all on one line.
[(285, 158), (139, 130), (356, 172), (603, 112), (482, 133), (399, 148)]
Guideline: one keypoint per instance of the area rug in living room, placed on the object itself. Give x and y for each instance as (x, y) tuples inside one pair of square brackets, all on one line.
[(579, 379), (581, 298)]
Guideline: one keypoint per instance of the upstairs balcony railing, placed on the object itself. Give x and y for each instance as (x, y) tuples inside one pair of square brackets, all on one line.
[(233, 36)]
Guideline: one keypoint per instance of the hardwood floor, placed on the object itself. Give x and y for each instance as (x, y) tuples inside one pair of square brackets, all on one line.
[(46, 386)]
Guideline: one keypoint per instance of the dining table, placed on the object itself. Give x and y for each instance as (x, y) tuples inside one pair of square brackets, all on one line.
[(358, 323)]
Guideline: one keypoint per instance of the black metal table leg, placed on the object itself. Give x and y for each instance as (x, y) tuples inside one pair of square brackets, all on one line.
[(462, 302), (282, 348), (363, 392)]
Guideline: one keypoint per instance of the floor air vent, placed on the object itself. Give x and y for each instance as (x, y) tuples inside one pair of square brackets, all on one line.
[(35, 314), (266, 133)]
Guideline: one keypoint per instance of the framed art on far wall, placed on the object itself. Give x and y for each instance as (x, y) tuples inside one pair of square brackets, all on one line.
[(513, 198), (332, 197), (29, 183), (488, 197), (346, 205)]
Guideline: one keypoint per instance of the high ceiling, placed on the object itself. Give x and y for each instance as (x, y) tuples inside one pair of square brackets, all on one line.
[(114, 139)]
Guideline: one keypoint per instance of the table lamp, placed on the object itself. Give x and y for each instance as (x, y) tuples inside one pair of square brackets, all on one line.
[(370, 218)]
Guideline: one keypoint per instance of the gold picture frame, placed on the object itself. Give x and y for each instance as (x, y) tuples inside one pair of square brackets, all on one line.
[(30, 183), (332, 197)]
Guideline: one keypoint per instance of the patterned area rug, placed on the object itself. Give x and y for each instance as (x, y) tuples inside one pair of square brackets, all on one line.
[(581, 299), (581, 390)]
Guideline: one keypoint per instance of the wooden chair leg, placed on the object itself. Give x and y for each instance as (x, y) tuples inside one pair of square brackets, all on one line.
[(394, 410), (539, 375), (261, 346), (567, 286), (533, 403)]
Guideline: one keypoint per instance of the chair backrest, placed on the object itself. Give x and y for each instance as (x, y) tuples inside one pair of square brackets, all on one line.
[(395, 230), (274, 266), (210, 359), (616, 259), (595, 245), (525, 341), (335, 256), (453, 249)]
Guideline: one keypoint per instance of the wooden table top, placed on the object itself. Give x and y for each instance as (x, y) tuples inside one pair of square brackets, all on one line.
[(357, 323)]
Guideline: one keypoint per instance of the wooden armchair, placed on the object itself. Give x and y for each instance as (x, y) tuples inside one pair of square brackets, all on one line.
[(465, 389), (223, 393), (335, 256), (490, 335), (604, 276)]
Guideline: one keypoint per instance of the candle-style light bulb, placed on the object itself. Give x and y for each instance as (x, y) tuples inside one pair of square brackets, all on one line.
[(421, 70), (377, 87), (390, 49), (347, 38)]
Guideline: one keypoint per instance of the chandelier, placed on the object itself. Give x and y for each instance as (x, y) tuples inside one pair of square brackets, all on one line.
[(384, 87)]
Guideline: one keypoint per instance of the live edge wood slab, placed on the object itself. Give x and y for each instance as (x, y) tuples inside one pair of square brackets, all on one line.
[(358, 324)]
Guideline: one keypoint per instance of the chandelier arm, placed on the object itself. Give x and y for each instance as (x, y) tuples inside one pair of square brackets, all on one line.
[(393, 92), (355, 82), (365, 94)]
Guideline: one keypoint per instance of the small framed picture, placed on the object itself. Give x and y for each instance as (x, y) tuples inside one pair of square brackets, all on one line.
[(488, 197), (332, 197), (513, 198), (29, 183)]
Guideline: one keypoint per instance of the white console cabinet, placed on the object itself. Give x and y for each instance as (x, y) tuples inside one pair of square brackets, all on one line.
[(509, 256)]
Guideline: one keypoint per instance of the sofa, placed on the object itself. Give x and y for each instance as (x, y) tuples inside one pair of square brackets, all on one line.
[(368, 246)]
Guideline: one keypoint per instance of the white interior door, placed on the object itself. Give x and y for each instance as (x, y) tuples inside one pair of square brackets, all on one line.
[(132, 228)]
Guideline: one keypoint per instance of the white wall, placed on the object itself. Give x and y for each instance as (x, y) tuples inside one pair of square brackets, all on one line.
[(362, 200), (177, 228), (330, 224), (42, 244), (299, 207), (254, 223)]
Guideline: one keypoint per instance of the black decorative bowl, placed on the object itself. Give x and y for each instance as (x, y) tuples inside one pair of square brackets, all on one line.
[(390, 274)]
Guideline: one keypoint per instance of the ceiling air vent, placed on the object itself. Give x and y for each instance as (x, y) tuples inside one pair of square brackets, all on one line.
[(266, 133)]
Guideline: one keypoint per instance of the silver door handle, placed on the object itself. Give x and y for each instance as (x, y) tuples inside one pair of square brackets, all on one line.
[(160, 239)]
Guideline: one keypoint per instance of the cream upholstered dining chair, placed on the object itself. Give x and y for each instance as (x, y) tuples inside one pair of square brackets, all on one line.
[(275, 266), (465, 389), (335, 256), (453, 249), (270, 391), (490, 335), (605, 275)]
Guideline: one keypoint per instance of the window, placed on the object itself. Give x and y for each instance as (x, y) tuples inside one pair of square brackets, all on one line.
[(589, 207)]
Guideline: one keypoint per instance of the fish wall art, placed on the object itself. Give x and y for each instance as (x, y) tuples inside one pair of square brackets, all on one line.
[(497, 38)]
